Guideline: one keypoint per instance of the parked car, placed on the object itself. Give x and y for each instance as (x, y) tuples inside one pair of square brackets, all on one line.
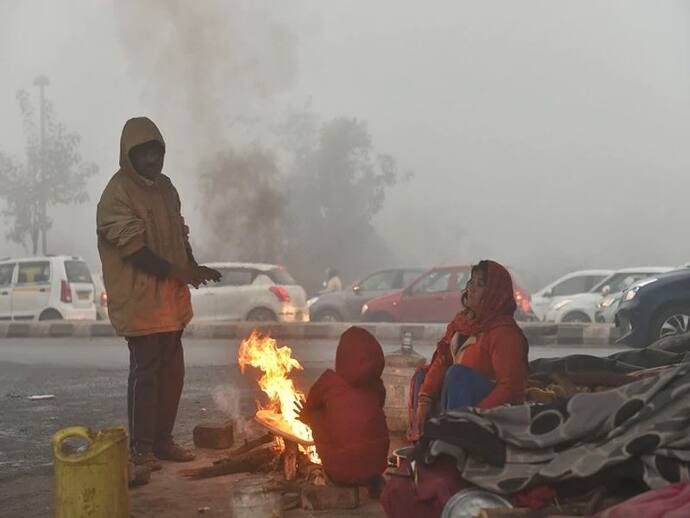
[(570, 284), (46, 288), (607, 308), (582, 307), (433, 297), (100, 297), (251, 291), (346, 305), (655, 308)]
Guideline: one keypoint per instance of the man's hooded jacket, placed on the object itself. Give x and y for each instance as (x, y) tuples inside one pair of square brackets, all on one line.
[(134, 213)]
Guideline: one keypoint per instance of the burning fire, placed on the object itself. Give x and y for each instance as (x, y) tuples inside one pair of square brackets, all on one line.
[(276, 364)]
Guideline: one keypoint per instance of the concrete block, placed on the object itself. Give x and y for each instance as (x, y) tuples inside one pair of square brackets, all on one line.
[(321, 498), (223, 331), (600, 334), (215, 436), (102, 329), (39, 329), (60, 329), (570, 334), (18, 329), (82, 331)]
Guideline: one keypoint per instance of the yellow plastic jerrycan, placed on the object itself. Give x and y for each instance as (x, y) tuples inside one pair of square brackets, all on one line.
[(91, 483)]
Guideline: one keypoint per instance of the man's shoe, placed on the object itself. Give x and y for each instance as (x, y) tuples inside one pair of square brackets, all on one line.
[(173, 451), (138, 475), (146, 459)]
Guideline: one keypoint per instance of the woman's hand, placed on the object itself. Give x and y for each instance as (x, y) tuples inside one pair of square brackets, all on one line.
[(424, 407)]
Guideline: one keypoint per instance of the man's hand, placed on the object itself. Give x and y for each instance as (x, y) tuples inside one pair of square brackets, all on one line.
[(194, 275)]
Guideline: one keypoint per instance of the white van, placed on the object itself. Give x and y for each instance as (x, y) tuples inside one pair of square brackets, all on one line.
[(46, 288), (251, 291)]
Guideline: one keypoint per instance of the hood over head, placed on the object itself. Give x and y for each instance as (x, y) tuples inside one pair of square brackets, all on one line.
[(137, 131), (359, 359)]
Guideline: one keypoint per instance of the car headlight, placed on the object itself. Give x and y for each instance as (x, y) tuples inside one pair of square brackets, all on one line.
[(630, 294), (311, 301), (607, 302), (365, 308), (560, 305)]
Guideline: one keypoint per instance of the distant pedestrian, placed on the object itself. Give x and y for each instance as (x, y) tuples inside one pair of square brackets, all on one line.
[(147, 267), (333, 282)]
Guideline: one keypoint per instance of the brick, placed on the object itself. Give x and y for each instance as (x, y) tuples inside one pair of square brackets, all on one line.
[(214, 436), (320, 498)]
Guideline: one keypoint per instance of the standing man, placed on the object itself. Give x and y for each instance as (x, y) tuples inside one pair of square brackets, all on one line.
[(147, 266)]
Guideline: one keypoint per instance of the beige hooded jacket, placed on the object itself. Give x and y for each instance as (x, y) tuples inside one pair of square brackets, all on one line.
[(135, 212)]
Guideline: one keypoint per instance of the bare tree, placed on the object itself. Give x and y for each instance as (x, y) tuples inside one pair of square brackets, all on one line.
[(53, 173)]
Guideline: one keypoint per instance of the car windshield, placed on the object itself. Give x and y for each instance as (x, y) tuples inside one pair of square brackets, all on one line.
[(78, 271), (620, 281), (281, 277)]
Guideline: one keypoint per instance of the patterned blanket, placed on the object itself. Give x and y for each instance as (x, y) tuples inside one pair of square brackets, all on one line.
[(643, 426)]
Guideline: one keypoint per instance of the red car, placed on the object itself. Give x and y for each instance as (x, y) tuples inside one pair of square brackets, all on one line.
[(434, 297)]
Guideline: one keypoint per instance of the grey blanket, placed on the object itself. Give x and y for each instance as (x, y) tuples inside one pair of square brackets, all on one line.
[(644, 425)]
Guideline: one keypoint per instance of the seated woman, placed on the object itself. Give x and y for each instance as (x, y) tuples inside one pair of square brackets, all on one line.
[(482, 362), (482, 359)]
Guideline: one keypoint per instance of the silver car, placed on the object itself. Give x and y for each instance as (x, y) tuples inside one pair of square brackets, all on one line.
[(251, 291)]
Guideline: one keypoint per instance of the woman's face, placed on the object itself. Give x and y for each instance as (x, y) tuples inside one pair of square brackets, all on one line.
[(475, 289)]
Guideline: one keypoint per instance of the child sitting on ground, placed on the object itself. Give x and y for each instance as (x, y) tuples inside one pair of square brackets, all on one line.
[(345, 411)]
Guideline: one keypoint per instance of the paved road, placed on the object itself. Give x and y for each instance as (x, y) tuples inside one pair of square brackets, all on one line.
[(111, 353), (88, 378)]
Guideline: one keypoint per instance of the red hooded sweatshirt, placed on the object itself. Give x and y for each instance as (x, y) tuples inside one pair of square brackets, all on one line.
[(345, 410)]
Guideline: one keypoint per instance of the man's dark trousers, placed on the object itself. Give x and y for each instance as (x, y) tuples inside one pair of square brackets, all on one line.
[(156, 376)]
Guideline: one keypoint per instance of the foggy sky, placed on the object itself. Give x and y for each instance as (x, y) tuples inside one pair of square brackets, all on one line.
[(549, 135)]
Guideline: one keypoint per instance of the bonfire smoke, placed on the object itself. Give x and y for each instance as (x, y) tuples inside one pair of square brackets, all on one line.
[(211, 71)]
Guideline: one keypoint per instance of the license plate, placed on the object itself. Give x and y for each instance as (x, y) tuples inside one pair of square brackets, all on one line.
[(83, 295)]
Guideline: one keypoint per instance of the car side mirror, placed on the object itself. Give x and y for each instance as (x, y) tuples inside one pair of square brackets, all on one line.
[(356, 288), (606, 290), (548, 294)]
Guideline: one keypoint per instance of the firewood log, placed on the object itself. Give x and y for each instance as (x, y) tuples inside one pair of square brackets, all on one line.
[(250, 461)]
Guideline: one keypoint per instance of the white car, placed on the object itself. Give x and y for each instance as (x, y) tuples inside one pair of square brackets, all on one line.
[(583, 307), (46, 288), (251, 291), (570, 284), (100, 297)]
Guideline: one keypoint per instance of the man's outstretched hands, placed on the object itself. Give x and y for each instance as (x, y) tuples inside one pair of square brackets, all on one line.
[(194, 274)]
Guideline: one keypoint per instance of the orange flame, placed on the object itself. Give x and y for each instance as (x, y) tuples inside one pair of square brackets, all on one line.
[(276, 364)]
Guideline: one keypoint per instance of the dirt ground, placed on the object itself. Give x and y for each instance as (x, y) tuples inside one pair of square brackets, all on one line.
[(173, 496)]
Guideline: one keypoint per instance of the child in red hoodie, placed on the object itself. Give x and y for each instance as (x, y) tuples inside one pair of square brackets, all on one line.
[(345, 411)]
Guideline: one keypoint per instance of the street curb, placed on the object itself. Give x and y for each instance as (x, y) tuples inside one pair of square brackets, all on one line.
[(536, 332), (589, 334)]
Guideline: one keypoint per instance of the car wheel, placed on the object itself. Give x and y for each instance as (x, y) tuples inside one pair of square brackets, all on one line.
[(672, 321), (576, 317), (328, 315), (50, 314), (261, 315)]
